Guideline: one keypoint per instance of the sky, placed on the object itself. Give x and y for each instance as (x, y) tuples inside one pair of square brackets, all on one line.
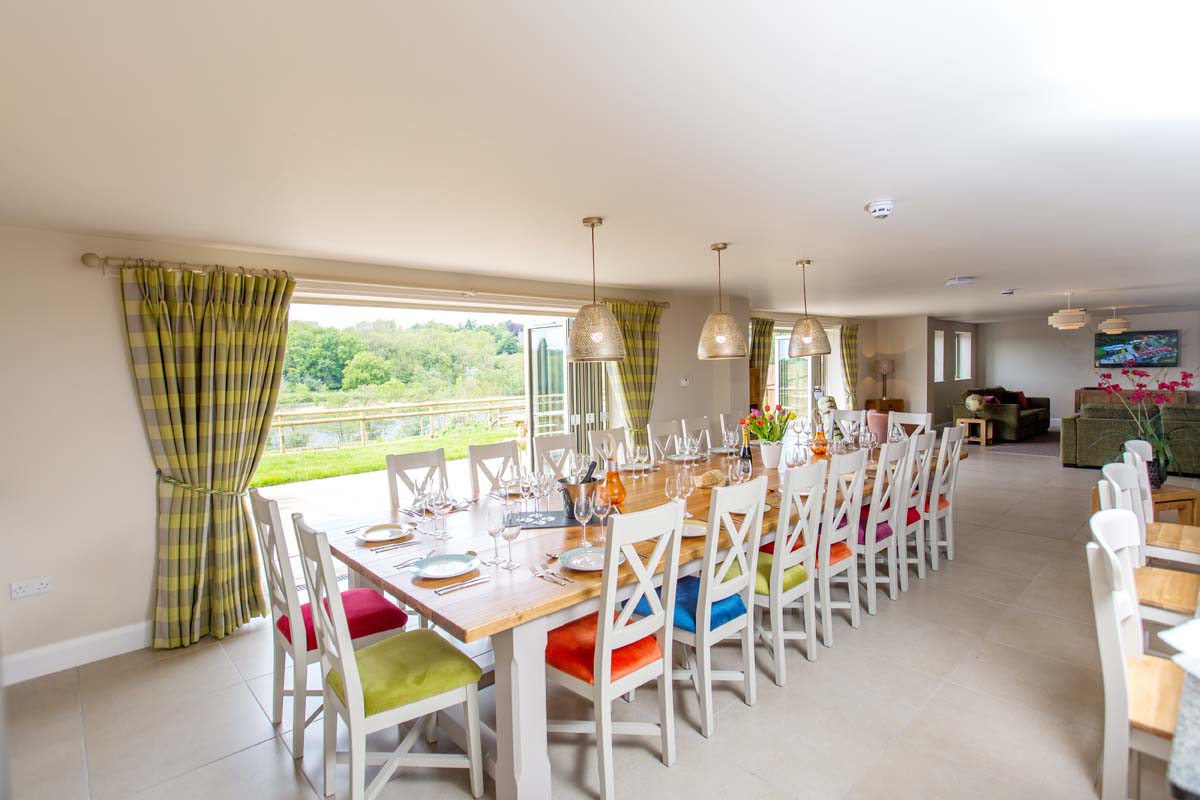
[(345, 316)]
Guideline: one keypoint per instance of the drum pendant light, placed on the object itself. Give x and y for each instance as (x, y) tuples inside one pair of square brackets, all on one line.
[(1114, 324), (1068, 319), (595, 334), (721, 336), (808, 334)]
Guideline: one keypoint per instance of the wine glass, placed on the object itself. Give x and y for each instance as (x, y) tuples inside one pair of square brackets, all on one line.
[(583, 512), (495, 527), (746, 467), (734, 472), (526, 485), (686, 487), (443, 504), (509, 533), (895, 434), (642, 456), (795, 456), (602, 506)]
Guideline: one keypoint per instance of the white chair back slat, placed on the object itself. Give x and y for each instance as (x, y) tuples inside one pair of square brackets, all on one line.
[(554, 453), (613, 441), (1115, 536), (491, 461), (735, 519), (277, 565), (328, 614), (946, 473), (1124, 491), (920, 423), (843, 500), (1134, 456), (663, 525), (664, 439), (843, 418), (416, 472), (698, 427), (802, 495), (888, 488), (919, 471)]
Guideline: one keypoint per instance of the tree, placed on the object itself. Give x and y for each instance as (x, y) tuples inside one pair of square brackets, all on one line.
[(365, 369), (317, 356)]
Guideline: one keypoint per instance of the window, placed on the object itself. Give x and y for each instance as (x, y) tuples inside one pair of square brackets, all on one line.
[(962, 356), (939, 356), (791, 386)]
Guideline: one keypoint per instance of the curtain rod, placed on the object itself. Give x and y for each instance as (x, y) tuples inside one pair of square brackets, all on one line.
[(104, 262)]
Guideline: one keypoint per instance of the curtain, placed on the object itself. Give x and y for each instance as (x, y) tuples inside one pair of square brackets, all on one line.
[(762, 340), (849, 348), (207, 351), (635, 376)]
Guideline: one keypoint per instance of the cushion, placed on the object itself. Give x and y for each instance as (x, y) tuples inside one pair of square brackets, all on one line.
[(687, 597), (1106, 411), (943, 504), (1181, 413), (571, 648), (1022, 401), (367, 613), (990, 399), (884, 529), (837, 551), (406, 668), (791, 576)]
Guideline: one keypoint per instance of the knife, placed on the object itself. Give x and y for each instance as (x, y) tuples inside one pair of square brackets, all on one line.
[(454, 587)]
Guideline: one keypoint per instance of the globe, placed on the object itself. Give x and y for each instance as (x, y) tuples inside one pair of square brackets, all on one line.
[(973, 403)]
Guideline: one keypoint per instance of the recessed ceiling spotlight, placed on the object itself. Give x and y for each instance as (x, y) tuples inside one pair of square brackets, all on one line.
[(1008, 292), (879, 209), (961, 280)]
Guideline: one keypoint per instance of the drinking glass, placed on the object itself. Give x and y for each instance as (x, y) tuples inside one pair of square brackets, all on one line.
[(746, 469), (602, 507), (509, 533), (583, 512), (495, 526), (734, 472), (686, 487), (443, 504), (795, 456), (642, 456), (895, 434), (526, 485)]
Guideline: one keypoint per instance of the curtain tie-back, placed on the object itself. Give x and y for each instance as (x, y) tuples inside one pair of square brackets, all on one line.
[(197, 489)]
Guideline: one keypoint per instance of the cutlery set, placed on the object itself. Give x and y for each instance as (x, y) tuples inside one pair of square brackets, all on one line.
[(454, 587), (409, 562)]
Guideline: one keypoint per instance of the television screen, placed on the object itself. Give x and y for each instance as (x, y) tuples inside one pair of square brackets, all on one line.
[(1140, 348)]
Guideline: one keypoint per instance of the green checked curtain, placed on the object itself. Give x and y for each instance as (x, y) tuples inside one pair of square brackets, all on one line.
[(849, 347), (635, 376), (762, 340), (207, 352)]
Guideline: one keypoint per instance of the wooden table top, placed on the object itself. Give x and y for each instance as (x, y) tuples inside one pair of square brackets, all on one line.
[(514, 597)]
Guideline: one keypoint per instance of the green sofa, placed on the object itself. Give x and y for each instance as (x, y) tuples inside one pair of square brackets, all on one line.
[(1096, 435), (1010, 422)]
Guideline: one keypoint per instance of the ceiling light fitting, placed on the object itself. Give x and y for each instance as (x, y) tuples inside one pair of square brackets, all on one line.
[(962, 280), (1068, 319), (721, 337), (595, 334), (1114, 324), (808, 335)]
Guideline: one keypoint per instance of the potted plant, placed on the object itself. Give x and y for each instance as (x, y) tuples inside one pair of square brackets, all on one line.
[(769, 428), (1143, 403)]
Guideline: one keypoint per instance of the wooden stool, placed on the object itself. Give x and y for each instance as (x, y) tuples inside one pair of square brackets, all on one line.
[(982, 437)]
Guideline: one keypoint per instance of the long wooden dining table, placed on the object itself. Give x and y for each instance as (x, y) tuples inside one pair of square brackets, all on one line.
[(515, 608)]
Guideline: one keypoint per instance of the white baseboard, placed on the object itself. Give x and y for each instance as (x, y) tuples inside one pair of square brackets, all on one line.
[(1056, 423), (38, 661)]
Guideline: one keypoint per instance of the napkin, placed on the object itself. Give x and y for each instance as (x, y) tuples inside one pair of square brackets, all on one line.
[(1186, 639)]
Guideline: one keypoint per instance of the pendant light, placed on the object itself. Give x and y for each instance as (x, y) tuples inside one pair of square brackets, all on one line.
[(1114, 324), (1068, 319), (808, 334), (721, 336), (595, 334)]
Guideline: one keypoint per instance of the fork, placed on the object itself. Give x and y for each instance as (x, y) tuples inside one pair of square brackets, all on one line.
[(409, 562), (546, 575), (550, 571)]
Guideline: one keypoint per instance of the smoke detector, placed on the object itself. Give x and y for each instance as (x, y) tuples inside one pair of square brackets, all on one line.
[(962, 280), (879, 209)]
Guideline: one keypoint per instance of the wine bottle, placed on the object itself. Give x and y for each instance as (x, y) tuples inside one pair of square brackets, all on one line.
[(745, 454)]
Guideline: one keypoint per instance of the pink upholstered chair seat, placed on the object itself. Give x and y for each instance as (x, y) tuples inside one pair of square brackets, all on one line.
[(884, 529), (367, 613)]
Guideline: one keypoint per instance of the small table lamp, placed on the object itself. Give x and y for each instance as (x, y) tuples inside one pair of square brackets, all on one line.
[(886, 366)]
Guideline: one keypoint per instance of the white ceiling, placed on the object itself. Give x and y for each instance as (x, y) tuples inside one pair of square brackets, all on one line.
[(1042, 146)]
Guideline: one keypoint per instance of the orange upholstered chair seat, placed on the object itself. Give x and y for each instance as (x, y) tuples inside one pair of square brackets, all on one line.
[(571, 648)]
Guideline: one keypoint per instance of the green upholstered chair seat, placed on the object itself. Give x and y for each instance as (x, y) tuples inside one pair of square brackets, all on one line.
[(406, 668), (791, 576)]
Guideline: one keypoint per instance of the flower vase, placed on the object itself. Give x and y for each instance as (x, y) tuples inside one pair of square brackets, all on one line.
[(770, 452), (1155, 475)]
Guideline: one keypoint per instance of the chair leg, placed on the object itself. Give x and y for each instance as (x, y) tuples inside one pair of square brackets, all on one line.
[(280, 662), (826, 611), (299, 705), (604, 751), (921, 551), (704, 676), (1135, 774), (902, 560), (933, 542), (431, 728), (474, 747), (1114, 772), (777, 642), (358, 765), (750, 666), (869, 569), (329, 747), (949, 523), (810, 626), (892, 564), (666, 714), (852, 583)]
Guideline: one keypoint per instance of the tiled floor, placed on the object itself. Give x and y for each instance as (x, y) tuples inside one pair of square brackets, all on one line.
[(981, 682)]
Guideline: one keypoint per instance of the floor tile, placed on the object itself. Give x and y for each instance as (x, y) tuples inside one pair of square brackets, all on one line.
[(1048, 635), (264, 772)]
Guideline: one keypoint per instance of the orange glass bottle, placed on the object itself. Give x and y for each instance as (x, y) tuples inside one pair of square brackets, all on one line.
[(613, 489), (820, 445)]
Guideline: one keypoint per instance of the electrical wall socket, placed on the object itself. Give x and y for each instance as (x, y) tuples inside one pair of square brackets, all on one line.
[(30, 587)]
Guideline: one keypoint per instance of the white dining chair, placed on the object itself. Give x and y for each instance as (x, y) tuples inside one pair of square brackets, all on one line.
[(698, 427), (614, 441), (416, 473), (913, 526), (1161, 541), (405, 677), (579, 655), (879, 520), (664, 439), (1141, 691), (786, 575), (844, 418), (554, 453), (939, 505), (712, 606), (918, 422), (370, 618), (839, 521), (491, 461)]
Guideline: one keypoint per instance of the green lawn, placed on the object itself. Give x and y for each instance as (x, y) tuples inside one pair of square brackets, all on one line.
[(308, 465)]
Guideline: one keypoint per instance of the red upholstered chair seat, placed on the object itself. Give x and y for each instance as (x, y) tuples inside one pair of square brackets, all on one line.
[(943, 504), (837, 550), (571, 648), (367, 613)]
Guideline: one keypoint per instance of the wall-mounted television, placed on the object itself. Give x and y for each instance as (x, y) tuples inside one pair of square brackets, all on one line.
[(1140, 348)]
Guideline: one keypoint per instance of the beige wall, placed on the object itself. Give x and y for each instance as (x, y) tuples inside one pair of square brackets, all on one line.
[(943, 394), (77, 485), (1030, 356), (905, 339)]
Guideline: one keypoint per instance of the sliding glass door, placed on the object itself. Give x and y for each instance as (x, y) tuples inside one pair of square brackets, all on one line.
[(793, 379), (563, 397)]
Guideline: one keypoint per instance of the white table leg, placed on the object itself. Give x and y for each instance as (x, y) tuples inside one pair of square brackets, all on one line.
[(522, 757)]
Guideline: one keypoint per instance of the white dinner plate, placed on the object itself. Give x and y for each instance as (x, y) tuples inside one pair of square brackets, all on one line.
[(447, 565), (586, 559), (694, 529), (387, 532), (724, 451), (684, 457), (635, 467)]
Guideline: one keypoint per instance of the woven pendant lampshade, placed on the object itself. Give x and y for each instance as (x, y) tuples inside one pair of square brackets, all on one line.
[(808, 334), (1068, 319), (721, 337), (595, 334), (1114, 324)]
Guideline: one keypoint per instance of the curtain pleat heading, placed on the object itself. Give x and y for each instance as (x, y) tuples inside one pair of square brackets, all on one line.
[(207, 351), (635, 376), (849, 348)]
